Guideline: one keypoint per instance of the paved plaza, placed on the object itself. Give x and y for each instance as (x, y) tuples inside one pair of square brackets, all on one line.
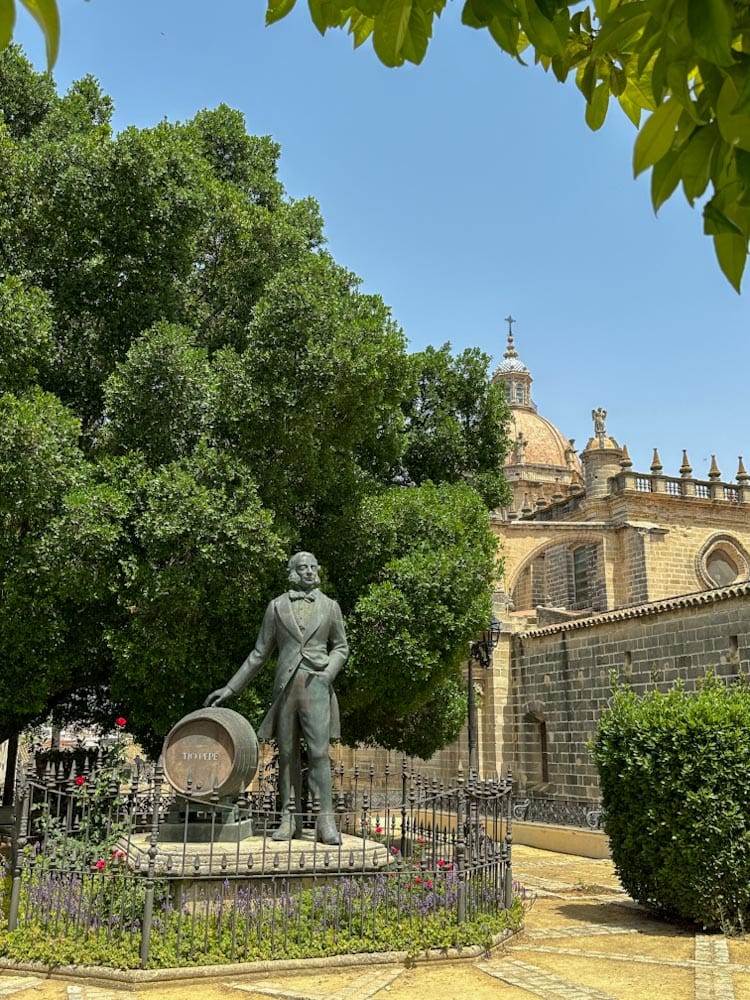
[(583, 940)]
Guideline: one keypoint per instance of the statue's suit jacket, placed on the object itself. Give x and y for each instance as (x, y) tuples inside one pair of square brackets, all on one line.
[(323, 648)]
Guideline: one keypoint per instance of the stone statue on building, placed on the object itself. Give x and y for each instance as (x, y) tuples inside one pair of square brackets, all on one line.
[(306, 630), (599, 416)]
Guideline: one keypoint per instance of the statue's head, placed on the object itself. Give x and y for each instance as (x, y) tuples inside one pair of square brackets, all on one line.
[(303, 570)]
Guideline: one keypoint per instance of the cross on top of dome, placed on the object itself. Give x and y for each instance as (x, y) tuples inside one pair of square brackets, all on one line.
[(511, 363)]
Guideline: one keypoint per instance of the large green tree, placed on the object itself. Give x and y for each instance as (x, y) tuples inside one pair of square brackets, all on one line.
[(191, 388), (684, 64)]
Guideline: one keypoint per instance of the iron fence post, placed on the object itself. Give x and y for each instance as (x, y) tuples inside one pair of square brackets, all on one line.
[(460, 848), (148, 906), (18, 842), (508, 886)]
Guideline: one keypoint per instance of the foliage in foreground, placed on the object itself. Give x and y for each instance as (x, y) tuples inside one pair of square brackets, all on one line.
[(96, 919), (673, 770), (685, 62)]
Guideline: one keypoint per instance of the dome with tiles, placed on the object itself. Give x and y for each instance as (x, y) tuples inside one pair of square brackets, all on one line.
[(535, 442), (541, 443)]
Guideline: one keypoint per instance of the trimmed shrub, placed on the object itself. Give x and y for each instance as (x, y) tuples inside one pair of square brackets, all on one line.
[(675, 777)]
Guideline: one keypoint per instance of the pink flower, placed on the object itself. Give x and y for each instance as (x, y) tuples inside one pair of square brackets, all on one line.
[(80, 780), (394, 850), (417, 880), (120, 722), (378, 829), (428, 883), (101, 863), (118, 855), (441, 863), (421, 840)]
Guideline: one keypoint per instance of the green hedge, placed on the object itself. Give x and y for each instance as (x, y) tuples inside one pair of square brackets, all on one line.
[(675, 777)]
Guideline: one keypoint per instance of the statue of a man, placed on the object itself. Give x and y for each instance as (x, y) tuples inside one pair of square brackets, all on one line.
[(306, 629)]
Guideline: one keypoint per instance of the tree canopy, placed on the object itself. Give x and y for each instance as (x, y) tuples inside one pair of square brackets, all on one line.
[(679, 69), (190, 389)]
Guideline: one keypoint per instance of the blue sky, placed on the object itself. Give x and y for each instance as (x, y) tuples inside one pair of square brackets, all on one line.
[(461, 191)]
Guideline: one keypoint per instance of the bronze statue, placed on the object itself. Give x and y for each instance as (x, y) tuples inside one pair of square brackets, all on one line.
[(306, 629)]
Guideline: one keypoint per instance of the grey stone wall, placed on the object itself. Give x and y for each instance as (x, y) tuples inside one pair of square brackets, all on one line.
[(561, 678)]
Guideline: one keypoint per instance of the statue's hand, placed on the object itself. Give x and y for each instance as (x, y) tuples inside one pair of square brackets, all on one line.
[(217, 697)]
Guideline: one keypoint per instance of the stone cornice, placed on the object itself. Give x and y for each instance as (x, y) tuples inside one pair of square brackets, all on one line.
[(645, 610), (562, 526)]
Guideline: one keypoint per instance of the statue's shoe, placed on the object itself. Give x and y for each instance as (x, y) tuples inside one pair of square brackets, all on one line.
[(287, 830), (327, 833)]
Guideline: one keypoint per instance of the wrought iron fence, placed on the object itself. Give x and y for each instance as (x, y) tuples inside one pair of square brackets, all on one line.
[(151, 878), (562, 812)]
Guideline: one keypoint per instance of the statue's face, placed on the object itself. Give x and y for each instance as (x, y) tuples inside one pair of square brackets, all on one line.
[(307, 569)]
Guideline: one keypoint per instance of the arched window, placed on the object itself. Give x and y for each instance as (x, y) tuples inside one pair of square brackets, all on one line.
[(722, 561)]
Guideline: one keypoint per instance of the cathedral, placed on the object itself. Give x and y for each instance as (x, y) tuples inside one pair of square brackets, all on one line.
[(609, 573)]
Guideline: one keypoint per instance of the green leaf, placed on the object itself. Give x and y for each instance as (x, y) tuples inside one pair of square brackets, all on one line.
[(586, 79), (678, 81), (46, 15), (735, 128), (7, 21), (618, 80), (716, 223), (360, 28), (541, 31), (664, 178), (390, 31), (596, 109), (710, 24), (485, 10), (621, 27), (657, 135), (741, 78), (277, 9), (631, 109), (417, 35), (505, 32), (370, 8), (327, 14), (731, 252), (469, 16), (695, 161)]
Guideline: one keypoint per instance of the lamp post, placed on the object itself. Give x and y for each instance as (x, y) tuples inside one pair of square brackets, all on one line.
[(480, 652)]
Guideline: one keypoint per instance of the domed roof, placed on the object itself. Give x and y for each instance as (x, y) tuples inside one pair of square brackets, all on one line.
[(511, 362), (542, 443)]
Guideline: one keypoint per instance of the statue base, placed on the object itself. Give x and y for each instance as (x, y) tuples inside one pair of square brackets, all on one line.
[(229, 832), (256, 856)]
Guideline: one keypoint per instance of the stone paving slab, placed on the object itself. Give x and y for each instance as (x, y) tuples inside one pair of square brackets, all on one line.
[(16, 984), (584, 940)]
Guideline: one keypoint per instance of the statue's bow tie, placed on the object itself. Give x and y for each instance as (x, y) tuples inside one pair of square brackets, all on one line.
[(301, 595)]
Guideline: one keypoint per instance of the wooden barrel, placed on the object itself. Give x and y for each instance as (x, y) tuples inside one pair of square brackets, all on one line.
[(213, 749)]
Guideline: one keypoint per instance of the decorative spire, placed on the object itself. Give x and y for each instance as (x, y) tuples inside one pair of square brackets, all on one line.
[(526, 506), (511, 349), (656, 465), (625, 461), (558, 494), (686, 469), (713, 472), (742, 473)]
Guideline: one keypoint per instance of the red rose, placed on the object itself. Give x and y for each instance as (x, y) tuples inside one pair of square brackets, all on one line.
[(121, 722), (101, 863), (80, 780)]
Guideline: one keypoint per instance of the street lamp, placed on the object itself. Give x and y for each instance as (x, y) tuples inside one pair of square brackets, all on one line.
[(480, 652)]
